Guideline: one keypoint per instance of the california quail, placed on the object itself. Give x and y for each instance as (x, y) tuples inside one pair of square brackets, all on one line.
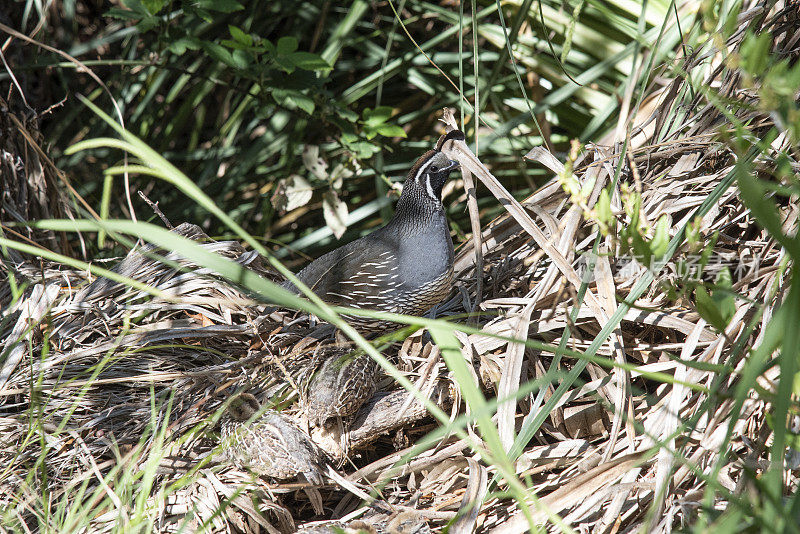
[(404, 267), (341, 385), (353, 527), (375, 522), (270, 445)]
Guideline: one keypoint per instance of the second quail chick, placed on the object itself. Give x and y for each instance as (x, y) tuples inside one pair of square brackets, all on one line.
[(270, 445), (340, 387), (353, 527)]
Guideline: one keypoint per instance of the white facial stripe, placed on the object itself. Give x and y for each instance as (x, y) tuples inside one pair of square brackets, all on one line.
[(422, 171), (430, 189), (424, 168)]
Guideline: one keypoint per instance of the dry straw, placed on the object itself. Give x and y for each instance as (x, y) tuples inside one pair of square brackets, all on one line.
[(99, 378)]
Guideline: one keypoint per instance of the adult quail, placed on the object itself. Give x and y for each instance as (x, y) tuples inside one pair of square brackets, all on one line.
[(404, 267), (270, 445)]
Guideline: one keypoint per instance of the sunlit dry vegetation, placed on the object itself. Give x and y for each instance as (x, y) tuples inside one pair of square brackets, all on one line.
[(619, 352)]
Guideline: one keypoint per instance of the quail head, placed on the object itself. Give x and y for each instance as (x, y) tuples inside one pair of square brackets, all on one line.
[(269, 445), (404, 267)]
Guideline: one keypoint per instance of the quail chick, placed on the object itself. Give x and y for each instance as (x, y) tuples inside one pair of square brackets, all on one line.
[(269, 445), (353, 527), (341, 385)]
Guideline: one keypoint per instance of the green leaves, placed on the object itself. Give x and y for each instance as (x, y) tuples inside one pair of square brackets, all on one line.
[(755, 52), (604, 215), (181, 45), (220, 6), (293, 99), (361, 149), (660, 242), (141, 11), (283, 53), (259, 52), (240, 37), (205, 8), (247, 54), (375, 123), (756, 197), (634, 237), (309, 61), (775, 80), (144, 11), (288, 58), (223, 55), (286, 45), (256, 58), (719, 305)]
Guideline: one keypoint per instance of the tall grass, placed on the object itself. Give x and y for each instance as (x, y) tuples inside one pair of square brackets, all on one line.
[(233, 97), (238, 126)]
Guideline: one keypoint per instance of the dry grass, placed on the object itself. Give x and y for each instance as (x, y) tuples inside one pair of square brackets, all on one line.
[(101, 381)]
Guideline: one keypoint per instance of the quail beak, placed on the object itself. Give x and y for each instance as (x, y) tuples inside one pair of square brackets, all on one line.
[(451, 166)]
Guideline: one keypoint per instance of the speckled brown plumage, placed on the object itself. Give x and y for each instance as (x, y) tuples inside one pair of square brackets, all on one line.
[(269, 445), (353, 527), (375, 522), (340, 386)]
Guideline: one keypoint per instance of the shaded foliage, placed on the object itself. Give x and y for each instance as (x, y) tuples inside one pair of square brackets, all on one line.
[(233, 93)]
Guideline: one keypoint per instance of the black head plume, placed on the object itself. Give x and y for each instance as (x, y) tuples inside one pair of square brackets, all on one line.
[(427, 177), (456, 135)]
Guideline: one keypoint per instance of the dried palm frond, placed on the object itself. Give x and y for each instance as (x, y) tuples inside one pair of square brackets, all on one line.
[(99, 378)]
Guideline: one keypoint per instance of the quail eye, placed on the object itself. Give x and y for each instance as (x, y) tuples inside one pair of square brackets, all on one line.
[(434, 169)]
